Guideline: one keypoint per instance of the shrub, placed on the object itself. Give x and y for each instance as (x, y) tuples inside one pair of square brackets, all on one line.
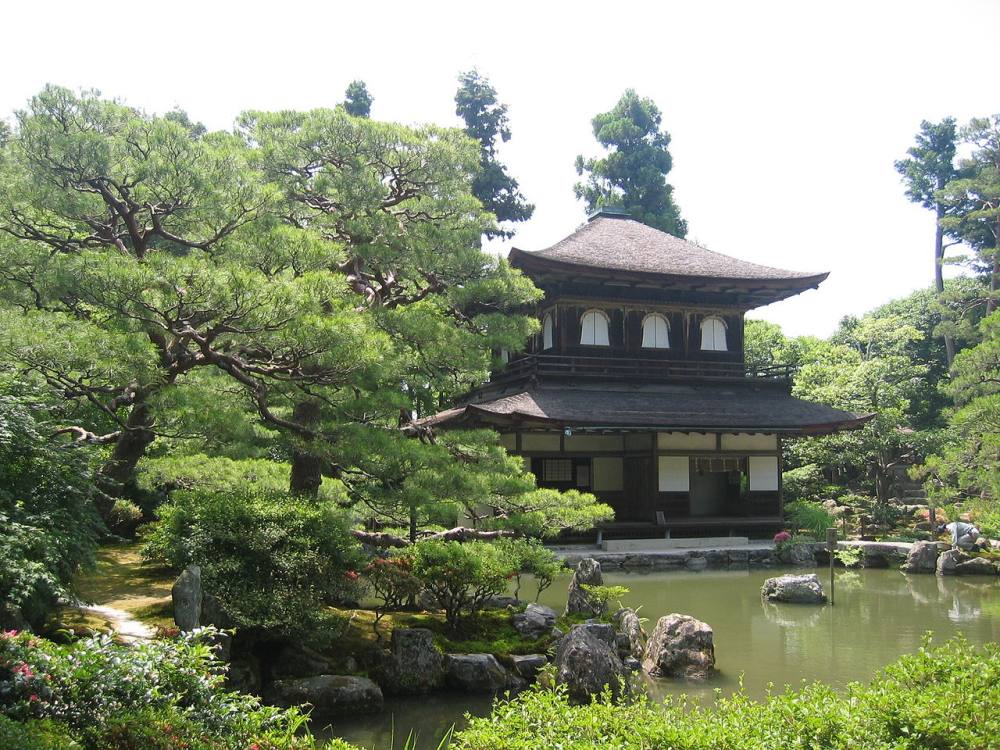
[(531, 557), (941, 698), (48, 525), (273, 560), (604, 596), (391, 580), (124, 518), (810, 517), (806, 482), (164, 694), (461, 577)]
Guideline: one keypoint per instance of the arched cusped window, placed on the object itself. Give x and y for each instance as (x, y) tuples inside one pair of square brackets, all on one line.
[(713, 335), (594, 328), (655, 332), (547, 329)]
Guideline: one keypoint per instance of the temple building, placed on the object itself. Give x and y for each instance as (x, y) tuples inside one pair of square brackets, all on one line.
[(636, 388)]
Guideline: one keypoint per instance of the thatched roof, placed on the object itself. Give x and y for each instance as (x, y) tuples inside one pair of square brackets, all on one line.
[(665, 407), (618, 242)]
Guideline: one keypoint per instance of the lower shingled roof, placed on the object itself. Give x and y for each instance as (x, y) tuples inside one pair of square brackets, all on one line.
[(679, 408)]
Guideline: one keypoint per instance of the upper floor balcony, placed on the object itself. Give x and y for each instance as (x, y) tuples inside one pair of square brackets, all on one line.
[(635, 369)]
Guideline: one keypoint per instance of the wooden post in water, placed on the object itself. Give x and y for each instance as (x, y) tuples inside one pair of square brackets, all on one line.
[(831, 546)]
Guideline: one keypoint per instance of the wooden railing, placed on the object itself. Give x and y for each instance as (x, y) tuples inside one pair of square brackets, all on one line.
[(615, 368)]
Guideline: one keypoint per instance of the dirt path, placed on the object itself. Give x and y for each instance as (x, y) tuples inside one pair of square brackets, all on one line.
[(122, 594)]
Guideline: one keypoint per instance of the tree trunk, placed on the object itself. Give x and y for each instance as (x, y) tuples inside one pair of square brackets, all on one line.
[(117, 476), (307, 467), (949, 342)]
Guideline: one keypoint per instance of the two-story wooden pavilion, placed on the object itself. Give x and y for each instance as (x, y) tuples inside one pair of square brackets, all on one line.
[(636, 388)]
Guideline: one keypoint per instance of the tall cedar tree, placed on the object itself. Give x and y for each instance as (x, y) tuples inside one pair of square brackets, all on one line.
[(633, 174), (357, 99), (974, 201), (929, 166), (486, 121)]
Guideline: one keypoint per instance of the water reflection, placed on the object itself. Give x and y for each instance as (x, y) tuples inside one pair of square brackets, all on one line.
[(878, 615)]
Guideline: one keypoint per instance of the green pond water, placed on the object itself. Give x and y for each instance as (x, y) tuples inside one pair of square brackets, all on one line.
[(878, 615)]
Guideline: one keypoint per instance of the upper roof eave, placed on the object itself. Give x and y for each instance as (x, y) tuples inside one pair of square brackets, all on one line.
[(526, 260)]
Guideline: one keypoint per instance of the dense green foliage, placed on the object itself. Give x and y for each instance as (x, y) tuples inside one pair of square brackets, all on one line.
[(937, 698), (299, 283), (461, 577), (272, 560), (48, 525), (486, 120), (633, 173), (160, 695), (967, 465)]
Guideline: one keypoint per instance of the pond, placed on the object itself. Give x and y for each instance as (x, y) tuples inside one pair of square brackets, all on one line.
[(878, 615)]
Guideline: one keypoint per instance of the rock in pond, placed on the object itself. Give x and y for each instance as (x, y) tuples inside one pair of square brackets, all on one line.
[(536, 621), (804, 589), (587, 573), (587, 662), (294, 660), (680, 646), (631, 639), (413, 664), (186, 595), (949, 560), (527, 666), (922, 558), (977, 566), (328, 694), (477, 673)]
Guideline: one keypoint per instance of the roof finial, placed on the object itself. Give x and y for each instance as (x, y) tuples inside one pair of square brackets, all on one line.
[(611, 211)]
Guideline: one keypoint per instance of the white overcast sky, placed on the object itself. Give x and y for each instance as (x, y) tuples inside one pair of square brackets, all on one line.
[(786, 117)]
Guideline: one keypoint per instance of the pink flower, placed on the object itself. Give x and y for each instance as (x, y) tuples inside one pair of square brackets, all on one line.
[(351, 575), (782, 536), (10, 634), (33, 698), (25, 670)]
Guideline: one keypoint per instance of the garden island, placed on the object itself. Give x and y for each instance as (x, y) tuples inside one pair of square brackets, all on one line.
[(289, 460)]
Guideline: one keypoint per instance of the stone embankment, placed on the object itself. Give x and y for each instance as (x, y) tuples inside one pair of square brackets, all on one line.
[(919, 557)]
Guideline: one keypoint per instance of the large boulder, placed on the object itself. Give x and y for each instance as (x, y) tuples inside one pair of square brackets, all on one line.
[(587, 663), (413, 664), (476, 673), (243, 674), (526, 666), (536, 621), (328, 694), (296, 660), (631, 640), (802, 555), (922, 558), (186, 595), (977, 566), (804, 589), (680, 646), (949, 560), (580, 602)]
